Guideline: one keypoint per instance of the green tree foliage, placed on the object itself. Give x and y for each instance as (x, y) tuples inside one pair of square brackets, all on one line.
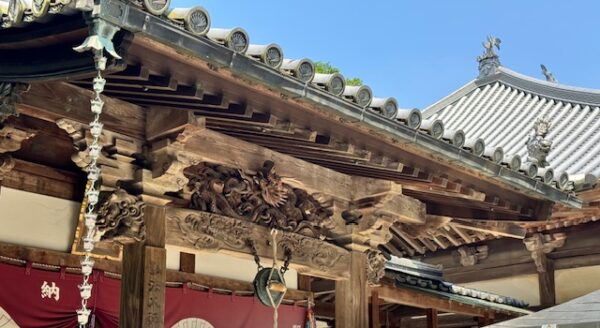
[(354, 81), (326, 68)]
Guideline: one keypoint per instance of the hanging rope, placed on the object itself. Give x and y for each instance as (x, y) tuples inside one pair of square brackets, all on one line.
[(275, 305), (92, 194)]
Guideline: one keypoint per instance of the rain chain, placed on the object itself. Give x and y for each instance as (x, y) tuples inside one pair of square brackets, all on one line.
[(92, 194)]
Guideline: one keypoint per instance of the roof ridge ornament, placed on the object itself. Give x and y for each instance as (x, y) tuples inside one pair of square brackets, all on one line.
[(489, 61), (548, 74), (538, 146)]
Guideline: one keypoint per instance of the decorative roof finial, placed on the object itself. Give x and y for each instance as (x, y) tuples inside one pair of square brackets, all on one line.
[(548, 74), (489, 61), (538, 146)]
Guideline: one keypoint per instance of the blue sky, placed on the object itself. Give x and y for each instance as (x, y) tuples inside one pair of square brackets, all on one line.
[(420, 51)]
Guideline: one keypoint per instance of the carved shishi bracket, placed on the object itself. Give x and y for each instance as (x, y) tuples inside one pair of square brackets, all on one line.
[(375, 267), (121, 218), (262, 198)]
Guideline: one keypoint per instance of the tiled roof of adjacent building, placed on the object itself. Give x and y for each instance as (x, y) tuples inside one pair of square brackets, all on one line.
[(502, 108), (428, 278)]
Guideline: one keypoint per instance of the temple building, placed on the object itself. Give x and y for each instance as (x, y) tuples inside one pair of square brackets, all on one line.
[(554, 127), (156, 171)]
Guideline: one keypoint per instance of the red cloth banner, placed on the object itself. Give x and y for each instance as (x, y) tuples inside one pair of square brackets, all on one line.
[(39, 298)]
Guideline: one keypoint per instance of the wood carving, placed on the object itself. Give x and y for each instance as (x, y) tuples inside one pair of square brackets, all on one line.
[(375, 267), (541, 244), (317, 253), (119, 157), (6, 164), (214, 232), (471, 255), (261, 198), (121, 218), (10, 95), (11, 137)]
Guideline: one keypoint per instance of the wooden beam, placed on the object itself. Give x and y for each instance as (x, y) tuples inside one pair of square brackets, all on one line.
[(56, 100), (195, 143), (496, 228), (187, 262), (423, 300), (44, 180), (194, 231), (144, 275), (432, 318), (60, 259), (229, 284), (351, 298)]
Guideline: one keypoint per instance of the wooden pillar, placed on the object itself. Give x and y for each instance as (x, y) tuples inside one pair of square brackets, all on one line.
[(144, 275), (432, 318), (351, 299), (304, 282), (187, 262), (546, 284), (375, 320)]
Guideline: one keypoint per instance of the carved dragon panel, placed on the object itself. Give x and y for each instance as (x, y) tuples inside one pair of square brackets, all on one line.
[(260, 198)]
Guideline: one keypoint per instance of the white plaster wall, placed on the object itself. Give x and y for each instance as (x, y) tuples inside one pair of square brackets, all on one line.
[(225, 266), (575, 282), (35, 220), (523, 287)]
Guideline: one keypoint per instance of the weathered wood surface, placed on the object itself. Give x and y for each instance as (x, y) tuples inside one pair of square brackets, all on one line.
[(375, 312), (351, 296), (195, 143), (132, 286), (144, 275), (432, 318), (195, 231), (547, 286), (44, 256), (44, 180), (187, 262), (507, 257), (56, 100), (423, 300), (229, 284)]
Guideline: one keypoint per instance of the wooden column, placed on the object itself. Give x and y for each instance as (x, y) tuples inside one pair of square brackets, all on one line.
[(304, 282), (546, 284), (144, 275), (432, 318), (187, 262), (351, 299), (375, 321)]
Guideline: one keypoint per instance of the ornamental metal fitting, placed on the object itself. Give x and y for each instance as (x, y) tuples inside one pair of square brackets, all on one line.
[(489, 61), (99, 40)]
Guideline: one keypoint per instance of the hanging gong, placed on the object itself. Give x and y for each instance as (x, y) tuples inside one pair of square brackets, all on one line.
[(269, 287)]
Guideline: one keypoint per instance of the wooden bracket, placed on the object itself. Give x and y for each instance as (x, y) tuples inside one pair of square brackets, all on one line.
[(541, 244)]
